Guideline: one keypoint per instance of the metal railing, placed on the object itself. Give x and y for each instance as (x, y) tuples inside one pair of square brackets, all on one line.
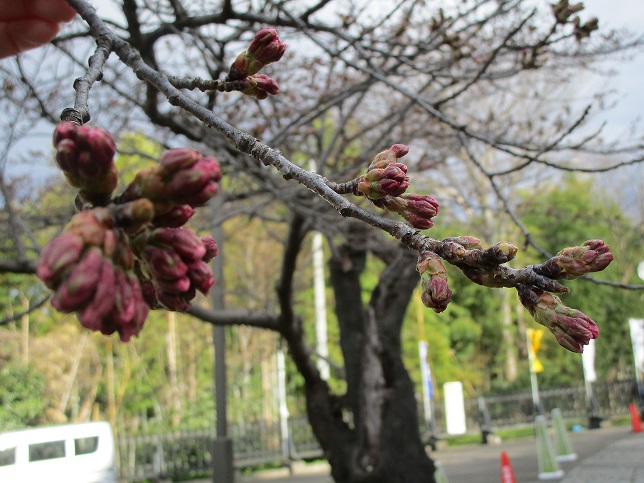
[(177, 455)]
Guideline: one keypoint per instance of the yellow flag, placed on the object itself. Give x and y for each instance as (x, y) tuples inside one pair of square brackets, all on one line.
[(534, 337)]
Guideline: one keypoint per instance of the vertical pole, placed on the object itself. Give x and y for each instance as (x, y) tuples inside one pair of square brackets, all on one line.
[(536, 401), (321, 344), (222, 447), (283, 408)]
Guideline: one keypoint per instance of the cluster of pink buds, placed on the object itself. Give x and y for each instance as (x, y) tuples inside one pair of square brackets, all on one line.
[(436, 293), (114, 262), (174, 260), (572, 262), (572, 329), (418, 210), (265, 49), (183, 180), (86, 156), (89, 267), (385, 183), (385, 175)]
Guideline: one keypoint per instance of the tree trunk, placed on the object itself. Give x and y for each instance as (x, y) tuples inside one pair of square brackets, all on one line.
[(371, 435)]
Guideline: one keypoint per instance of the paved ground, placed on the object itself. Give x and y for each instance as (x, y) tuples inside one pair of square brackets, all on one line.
[(606, 455)]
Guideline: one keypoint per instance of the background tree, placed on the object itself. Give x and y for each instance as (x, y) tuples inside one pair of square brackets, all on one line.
[(353, 83)]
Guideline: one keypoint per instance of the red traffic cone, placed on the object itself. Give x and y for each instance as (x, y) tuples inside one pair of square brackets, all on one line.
[(507, 474), (636, 422)]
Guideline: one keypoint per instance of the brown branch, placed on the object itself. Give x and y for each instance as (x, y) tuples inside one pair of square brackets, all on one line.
[(235, 317)]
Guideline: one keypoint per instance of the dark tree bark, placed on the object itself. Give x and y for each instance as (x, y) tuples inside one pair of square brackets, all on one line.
[(371, 434)]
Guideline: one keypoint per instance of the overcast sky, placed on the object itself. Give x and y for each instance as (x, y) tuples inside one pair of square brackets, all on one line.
[(628, 82)]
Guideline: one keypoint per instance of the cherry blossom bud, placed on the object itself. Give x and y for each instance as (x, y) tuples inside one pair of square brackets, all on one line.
[(178, 159), (164, 263), (211, 248), (65, 130), (380, 182), (391, 155), (78, 287), (190, 180), (178, 285), (91, 317), (184, 241), (260, 86), (97, 142), (436, 293), (199, 198), (91, 225), (201, 276), (419, 210), (572, 262), (124, 302), (176, 217), (264, 49), (66, 155), (149, 292), (57, 256), (572, 328), (85, 152)]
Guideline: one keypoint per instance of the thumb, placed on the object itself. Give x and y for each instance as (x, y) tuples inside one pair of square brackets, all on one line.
[(25, 34)]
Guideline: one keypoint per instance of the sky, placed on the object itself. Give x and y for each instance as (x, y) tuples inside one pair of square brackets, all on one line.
[(627, 81)]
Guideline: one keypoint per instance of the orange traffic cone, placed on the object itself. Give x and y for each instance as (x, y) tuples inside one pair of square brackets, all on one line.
[(636, 422), (507, 474)]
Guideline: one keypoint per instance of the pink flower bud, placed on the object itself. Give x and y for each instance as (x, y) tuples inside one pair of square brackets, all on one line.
[(436, 293), (178, 285), (200, 198), (164, 263), (65, 130), (264, 49), (175, 218), (57, 256), (419, 210), (201, 276), (91, 317), (124, 303), (183, 240), (211, 248), (178, 159), (67, 155), (149, 292), (79, 285), (572, 328), (189, 180), (84, 152), (381, 182), (260, 86), (391, 155)]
